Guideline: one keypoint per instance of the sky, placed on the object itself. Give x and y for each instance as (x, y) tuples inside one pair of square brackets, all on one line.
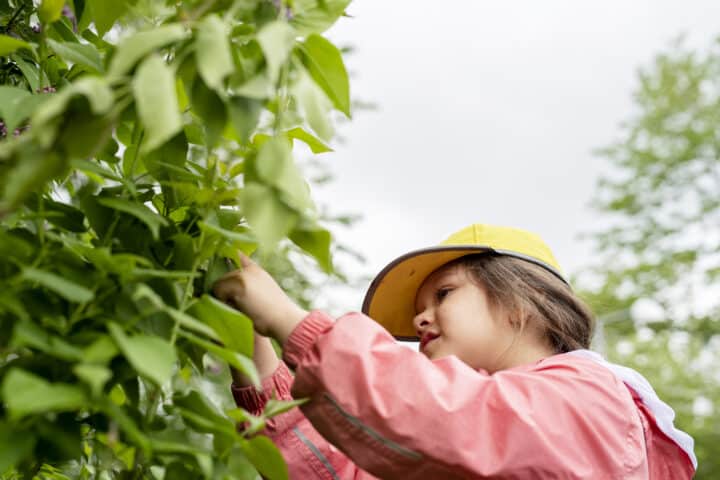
[(488, 112)]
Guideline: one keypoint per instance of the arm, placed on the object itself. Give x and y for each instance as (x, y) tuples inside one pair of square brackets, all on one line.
[(264, 358), (307, 454), (399, 415)]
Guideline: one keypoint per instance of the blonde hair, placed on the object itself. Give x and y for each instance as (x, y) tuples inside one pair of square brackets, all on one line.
[(532, 296)]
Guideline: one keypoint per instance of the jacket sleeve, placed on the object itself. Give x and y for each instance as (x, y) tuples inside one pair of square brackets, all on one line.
[(307, 454), (397, 414)]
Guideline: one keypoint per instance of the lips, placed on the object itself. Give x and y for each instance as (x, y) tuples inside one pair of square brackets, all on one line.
[(427, 338)]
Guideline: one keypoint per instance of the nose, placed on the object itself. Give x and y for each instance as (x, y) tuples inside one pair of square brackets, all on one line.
[(422, 320)]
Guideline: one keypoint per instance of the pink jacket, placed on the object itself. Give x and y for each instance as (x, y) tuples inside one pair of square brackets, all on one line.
[(399, 415)]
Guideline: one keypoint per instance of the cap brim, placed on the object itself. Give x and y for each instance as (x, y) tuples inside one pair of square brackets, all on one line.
[(390, 300)]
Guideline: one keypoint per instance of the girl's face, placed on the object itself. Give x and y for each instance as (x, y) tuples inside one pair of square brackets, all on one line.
[(453, 317)]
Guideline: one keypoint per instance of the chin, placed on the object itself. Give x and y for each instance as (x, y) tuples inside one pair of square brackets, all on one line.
[(436, 355)]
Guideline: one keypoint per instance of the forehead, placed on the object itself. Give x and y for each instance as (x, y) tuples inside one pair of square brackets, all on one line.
[(449, 272)]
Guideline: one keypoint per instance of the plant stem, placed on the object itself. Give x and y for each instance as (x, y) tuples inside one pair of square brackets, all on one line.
[(281, 90), (40, 224), (7, 27), (107, 238), (200, 11)]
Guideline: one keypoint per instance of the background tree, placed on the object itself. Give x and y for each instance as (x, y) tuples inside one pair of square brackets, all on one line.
[(144, 142), (660, 246)]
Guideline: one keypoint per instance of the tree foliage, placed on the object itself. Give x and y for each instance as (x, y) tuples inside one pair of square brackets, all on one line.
[(660, 197), (143, 143)]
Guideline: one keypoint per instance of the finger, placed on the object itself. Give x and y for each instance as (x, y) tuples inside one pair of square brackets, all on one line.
[(230, 277), (245, 261), (223, 289)]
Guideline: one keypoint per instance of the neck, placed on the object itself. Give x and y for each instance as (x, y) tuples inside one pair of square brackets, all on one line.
[(522, 353)]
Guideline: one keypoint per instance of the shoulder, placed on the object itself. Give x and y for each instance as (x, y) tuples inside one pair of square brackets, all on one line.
[(593, 402), (584, 380)]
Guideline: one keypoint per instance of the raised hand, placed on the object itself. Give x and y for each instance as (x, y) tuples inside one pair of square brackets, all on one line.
[(254, 292)]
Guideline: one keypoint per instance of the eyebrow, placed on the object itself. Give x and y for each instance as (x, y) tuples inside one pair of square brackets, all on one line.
[(436, 282)]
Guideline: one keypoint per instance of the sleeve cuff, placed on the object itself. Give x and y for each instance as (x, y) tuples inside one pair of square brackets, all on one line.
[(304, 336), (276, 385)]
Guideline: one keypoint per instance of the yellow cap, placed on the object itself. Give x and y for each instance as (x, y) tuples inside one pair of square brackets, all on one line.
[(390, 300)]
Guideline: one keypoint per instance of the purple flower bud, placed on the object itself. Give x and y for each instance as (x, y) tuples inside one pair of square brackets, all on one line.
[(36, 28), (288, 13), (3, 129), (68, 13)]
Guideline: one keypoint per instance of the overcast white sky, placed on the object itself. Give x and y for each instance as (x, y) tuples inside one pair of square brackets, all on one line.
[(489, 112)]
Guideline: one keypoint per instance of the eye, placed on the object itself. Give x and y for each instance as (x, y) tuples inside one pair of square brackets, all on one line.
[(441, 293)]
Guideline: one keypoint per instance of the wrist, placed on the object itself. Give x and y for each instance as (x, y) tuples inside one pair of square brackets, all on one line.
[(284, 327)]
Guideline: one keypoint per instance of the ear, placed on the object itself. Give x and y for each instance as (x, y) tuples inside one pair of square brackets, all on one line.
[(518, 321)]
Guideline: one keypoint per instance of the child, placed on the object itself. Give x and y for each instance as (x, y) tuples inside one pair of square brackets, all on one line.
[(502, 387)]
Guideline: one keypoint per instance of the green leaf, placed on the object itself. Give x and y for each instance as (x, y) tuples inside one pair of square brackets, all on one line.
[(269, 217), (126, 424), (265, 456), (29, 70), (156, 101), (316, 145), (96, 168), (276, 407), (27, 334), (14, 246), (200, 413), (244, 114), (212, 52), (234, 329), (244, 240), (316, 242), (152, 357), (106, 12), (15, 445), (50, 10), (208, 105), (10, 304), (95, 89), (78, 53), (315, 105), (65, 288), (33, 169), (101, 351), (22, 110), (275, 166), (143, 291), (10, 44), (137, 210), (316, 16), (96, 376), (58, 213), (64, 30), (190, 323), (237, 360), (10, 98), (135, 47), (253, 423), (175, 448), (324, 62), (276, 40), (25, 393), (258, 87)]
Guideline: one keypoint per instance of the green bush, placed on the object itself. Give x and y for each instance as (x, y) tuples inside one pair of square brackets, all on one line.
[(143, 143)]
